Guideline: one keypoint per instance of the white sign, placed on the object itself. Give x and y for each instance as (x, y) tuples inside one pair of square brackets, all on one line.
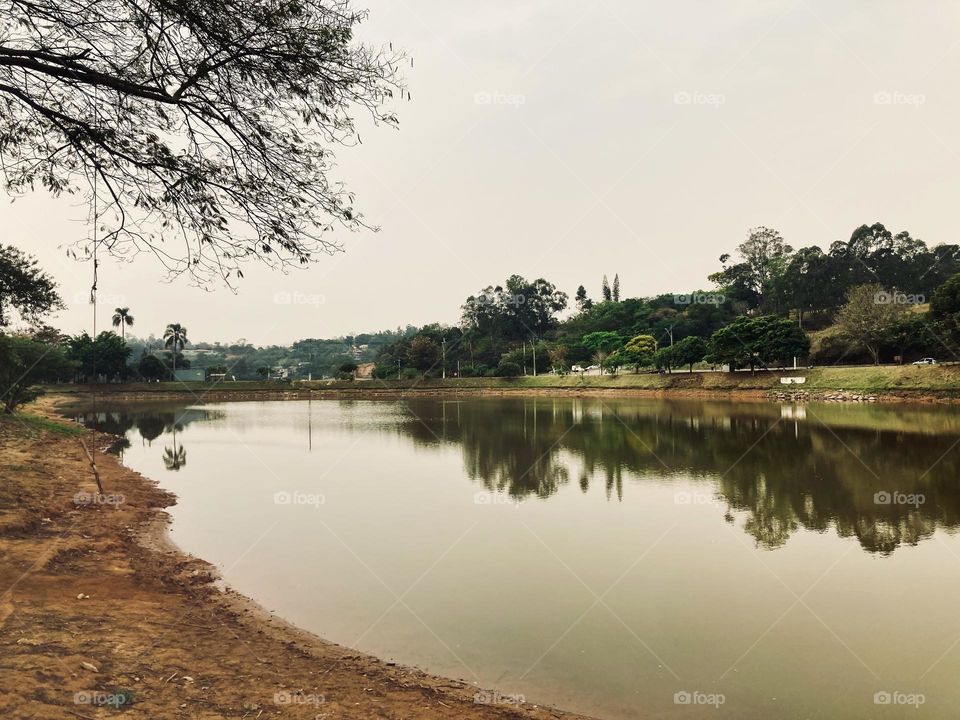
[(792, 380)]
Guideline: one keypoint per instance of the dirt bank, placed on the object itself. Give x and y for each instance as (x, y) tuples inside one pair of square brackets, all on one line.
[(100, 613)]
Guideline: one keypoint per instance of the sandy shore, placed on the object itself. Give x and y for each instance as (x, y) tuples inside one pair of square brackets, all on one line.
[(99, 612)]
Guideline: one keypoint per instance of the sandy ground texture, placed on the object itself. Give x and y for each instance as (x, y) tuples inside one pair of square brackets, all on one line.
[(99, 617)]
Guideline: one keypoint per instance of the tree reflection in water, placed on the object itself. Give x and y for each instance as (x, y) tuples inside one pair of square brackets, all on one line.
[(785, 473)]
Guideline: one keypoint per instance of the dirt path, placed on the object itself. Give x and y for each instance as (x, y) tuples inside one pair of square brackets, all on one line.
[(98, 613)]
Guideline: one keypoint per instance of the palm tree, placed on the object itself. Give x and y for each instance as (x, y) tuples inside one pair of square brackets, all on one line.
[(122, 319), (175, 337)]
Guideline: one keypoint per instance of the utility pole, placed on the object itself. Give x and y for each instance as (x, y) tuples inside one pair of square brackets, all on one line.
[(398, 369), (533, 349), (443, 345)]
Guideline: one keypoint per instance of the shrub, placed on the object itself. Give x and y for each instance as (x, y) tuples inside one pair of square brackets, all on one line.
[(508, 369)]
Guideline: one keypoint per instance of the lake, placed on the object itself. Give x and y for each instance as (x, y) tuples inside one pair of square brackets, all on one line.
[(622, 558)]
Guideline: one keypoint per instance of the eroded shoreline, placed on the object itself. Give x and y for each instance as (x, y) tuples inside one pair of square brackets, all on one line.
[(102, 610)]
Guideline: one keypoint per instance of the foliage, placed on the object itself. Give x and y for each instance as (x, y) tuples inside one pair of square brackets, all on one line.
[(516, 311), (151, 367), (104, 356), (688, 351), (122, 319), (508, 369), (603, 341), (868, 317), (423, 353), (639, 351), (749, 341), (206, 120), (24, 286), (25, 362)]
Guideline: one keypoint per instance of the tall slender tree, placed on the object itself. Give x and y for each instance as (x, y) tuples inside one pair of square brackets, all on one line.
[(175, 337), (122, 319), (616, 288), (607, 295)]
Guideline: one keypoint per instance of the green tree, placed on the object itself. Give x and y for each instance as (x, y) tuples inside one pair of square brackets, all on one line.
[(688, 351), (25, 287), (25, 362), (640, 350), (175, 338), (151, 367), (602, 341), (106, 355), (749, 341), (122, 319), (868, 316), (616, 288), (583, 302), (423, 353), (605, 289), (945, 309)]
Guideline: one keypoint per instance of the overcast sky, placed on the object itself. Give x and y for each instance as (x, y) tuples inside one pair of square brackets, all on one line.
[(566, 140)]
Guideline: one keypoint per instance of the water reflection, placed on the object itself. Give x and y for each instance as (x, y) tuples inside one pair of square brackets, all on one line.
[(772, 470), (818, 469), (150, 422)]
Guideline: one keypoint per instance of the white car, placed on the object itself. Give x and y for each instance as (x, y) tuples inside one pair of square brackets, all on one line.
[(576, 368), (925, 361), (592, 368)]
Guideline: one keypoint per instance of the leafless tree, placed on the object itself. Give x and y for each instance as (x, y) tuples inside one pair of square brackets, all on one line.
[(203, 128)]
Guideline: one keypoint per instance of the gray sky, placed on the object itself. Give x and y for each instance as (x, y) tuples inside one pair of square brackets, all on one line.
[(571, 139)]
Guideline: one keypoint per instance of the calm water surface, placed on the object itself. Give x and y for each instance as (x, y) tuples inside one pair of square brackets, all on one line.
[(603, 556)]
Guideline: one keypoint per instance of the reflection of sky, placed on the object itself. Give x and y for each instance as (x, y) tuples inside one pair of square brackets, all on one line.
[(497, 580)]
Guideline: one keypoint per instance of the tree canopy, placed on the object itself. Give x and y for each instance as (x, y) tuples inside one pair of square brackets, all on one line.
[(203, 128), (24, 287)]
